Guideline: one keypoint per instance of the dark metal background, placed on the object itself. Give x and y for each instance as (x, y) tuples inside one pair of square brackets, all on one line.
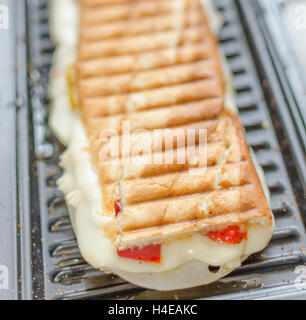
[(47, 243)]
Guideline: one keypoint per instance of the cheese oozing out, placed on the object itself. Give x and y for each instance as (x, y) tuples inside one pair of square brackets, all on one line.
[(185, 263)]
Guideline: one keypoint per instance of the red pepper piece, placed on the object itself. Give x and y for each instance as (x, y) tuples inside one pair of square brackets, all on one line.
[(230, 235), (117, 206), (150, 253)]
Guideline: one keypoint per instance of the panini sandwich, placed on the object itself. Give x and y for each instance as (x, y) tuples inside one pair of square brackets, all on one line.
[(158, 178)]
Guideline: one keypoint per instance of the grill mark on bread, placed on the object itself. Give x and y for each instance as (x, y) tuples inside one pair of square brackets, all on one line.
[(168, 233), (100, 3), (138, 26), (131, 82), (96, 15), (186, 208), (183, 183), (165, 138), (141, 167), (167, 117), (150, 99), (141, 43), (144, 61), (104, 3)]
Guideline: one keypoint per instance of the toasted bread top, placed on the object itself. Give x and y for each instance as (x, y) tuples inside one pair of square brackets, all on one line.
[(155, 66)]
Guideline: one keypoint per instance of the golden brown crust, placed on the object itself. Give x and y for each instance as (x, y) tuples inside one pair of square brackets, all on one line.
[(100, 3), (155, 98), (130, 82), (142, 167), (187, 208), (166, 117), (144, 61), (141, 43), (184, 183), (141, 25), (94, 15), (156, 65), (147, 142), (171, 232)]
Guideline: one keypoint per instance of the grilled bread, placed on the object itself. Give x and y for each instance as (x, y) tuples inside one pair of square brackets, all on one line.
[(186, 91)]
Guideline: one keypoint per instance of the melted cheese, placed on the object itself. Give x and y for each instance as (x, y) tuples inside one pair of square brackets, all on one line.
[(64, 22)]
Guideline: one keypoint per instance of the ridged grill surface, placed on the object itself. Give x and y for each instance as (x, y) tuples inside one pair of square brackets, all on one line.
[(67, 276)]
